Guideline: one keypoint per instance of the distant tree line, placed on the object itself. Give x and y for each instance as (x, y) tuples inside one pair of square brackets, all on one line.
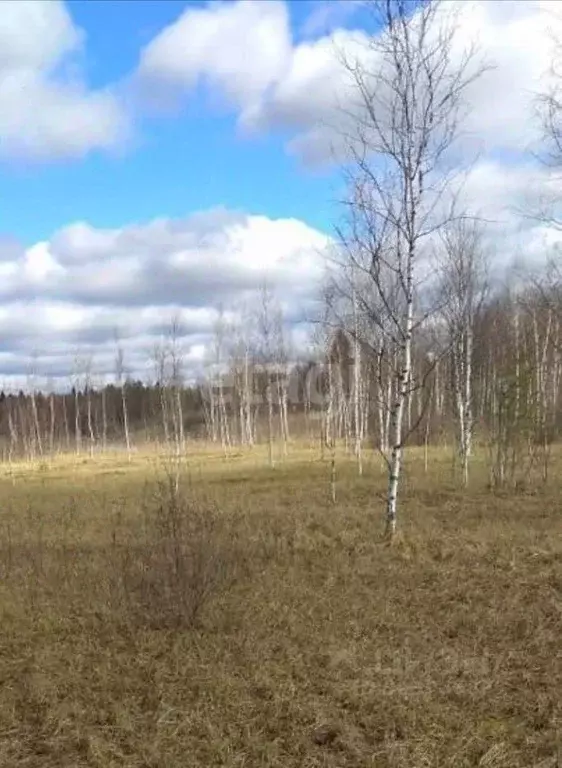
[(493, 377)]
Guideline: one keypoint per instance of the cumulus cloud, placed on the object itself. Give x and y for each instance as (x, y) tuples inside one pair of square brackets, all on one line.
[(63, 299), (68, 295), (239, 48), (304, 91), (46, 110), (315, 98), (276, 83), (273, 81)]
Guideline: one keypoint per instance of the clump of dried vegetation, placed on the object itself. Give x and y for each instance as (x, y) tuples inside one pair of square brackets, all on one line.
[(242, 619), (184, 553)]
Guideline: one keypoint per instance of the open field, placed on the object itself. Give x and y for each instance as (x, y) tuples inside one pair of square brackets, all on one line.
[(304, 641)]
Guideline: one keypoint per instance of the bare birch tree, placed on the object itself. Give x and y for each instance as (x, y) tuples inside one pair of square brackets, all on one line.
[(463, 285), (122, 384), (219, 350), (176, 381), (159, 358), (408, 86), (243, 372), (281, 362), (84, 367), (266, 337), (35, 437), (103, 393), (77, 414)]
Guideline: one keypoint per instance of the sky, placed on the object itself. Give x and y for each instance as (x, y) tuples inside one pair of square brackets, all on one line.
[(162, 157)]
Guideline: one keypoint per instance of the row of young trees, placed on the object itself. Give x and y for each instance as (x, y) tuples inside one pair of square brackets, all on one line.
[(409, 288), (488, 373), (486, 368), (415, 341), (411, 267), (40, 424)]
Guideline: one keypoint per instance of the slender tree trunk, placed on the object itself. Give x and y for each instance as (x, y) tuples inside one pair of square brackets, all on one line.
[(248, 390), (65, 420), (382, 404), (104, 417), (426, 445), (223, 419), (241, 418), (178, 421), (282, 414), (517, 365), (90, 424), (52, 424), (212, 411), (126, 421), (285, 413), (402, 394), (269, 397), (468, 417), (36, 424), (164, 412), (388, 410), (77, 428), (13, 435), (357, 389)]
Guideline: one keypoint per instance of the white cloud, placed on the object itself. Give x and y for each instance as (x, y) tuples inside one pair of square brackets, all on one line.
[(71, 292), (301, 92), (314, 87), (239, 48), (65, 297), (39, 265), (35, 34), (500, 194), (46, 111), (513, 38), (275, 83)]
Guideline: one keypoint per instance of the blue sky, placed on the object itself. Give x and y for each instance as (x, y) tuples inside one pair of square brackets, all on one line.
[(184, 165), (194, 161), (162, 157)]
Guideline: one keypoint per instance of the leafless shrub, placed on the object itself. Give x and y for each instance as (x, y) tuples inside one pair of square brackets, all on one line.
[(183, 557)]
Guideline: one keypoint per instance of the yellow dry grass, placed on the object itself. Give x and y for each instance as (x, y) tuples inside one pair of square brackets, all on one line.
[(323, 647)]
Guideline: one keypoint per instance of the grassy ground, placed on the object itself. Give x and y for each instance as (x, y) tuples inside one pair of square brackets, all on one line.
[(315, 644)]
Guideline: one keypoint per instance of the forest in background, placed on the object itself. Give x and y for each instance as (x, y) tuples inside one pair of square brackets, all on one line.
[(508, 353)]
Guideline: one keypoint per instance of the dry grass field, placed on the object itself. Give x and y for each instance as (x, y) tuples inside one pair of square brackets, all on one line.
[(247, 621)]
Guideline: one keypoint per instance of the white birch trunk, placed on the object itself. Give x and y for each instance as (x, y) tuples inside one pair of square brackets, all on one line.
[(248, 391), (36, 423), (52, 424), (126, 421), (269, 397), (402, 395), (90, 424), (104, 418), (396, 422), (467, 397), (77, 429), (356, 389), (65, 421)]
